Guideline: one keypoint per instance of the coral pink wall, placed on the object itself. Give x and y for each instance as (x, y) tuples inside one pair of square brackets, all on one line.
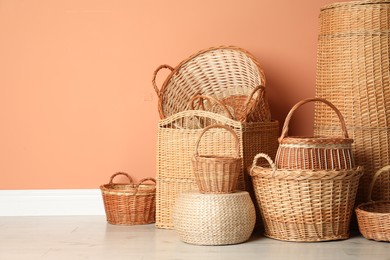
[(76, 99)]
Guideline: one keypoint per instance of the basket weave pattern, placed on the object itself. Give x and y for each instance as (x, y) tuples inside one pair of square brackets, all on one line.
[(177, 136), (214, 219), (305, 205), (226, 73), (217, 174), (129, 204), (314, 152), (374, 216), (353, 65)]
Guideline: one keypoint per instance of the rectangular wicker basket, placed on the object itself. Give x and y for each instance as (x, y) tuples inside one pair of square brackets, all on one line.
[(177, 136)]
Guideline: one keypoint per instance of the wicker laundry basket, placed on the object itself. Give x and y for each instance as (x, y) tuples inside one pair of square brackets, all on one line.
[(305, 205), (353, 65), (129, 203), (214, 219), (215, 173), (177, 136), (227, 73), (374, 216), (314, 152)]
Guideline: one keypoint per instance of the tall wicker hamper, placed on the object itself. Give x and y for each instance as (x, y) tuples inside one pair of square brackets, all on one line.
[(353, 73), (305, 205), (177, 136)]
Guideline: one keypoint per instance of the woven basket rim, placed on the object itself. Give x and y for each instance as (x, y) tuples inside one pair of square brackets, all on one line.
[(354, 4), (305, 174), (144, 187), (314, 139), (362, 208), (216, 157)]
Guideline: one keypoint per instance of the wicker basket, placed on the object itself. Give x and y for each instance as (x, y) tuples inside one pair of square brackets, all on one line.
[(214, 173), (227, 73), (214, 219), (129, 204), (353, 73), (177, 136), (374, 216), (305, 205), (314, 153)]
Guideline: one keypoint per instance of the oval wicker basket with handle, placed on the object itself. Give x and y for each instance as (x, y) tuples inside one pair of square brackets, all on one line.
[(314, 152), (216, 173), (227, 73), (129, 203), (305, 205), (374, 216)]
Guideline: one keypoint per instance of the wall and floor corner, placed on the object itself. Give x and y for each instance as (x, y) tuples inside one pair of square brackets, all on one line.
[(76, 99)]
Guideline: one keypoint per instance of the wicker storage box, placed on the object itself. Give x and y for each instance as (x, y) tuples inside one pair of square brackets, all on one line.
[(177, 136), (214, 219), (229, 74), (374, 216), (353, 64), (305, 205), (129, 203), (317, 152), (214, 173)]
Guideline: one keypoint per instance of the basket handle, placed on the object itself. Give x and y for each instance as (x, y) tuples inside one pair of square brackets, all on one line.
[(265, 156), (248, 109), (164, 66), (376, 175), (300, 103), (120, 173), (237, 141), (191, 104), (145, 180)]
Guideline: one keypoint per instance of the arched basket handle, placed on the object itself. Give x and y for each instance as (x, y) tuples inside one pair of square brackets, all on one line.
[(145, 180), (237, 141), (300, 103), (120, 173), (191, 103), (265, 156), (247, 107), (376, 175), (164, 66)]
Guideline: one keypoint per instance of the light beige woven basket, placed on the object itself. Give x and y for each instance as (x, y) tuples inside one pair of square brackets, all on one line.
[(214, 219), (353, 65), (305, 205), (215, 173), (227, 73), (318, 152), (374, 216), (129, 203), (177, 136)]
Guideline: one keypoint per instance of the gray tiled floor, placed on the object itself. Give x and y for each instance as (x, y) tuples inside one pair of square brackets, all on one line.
[(90, 237)]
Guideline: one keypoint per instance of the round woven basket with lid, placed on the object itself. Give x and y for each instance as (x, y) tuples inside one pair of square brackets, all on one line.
[(315, 152)]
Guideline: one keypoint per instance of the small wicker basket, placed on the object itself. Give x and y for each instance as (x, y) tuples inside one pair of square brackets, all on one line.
[(305, 205), (316, 152), (129, 203), (214, 173), (374, 216)]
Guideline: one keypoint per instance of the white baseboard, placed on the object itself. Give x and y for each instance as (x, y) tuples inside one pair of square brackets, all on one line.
[(51, 202)]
